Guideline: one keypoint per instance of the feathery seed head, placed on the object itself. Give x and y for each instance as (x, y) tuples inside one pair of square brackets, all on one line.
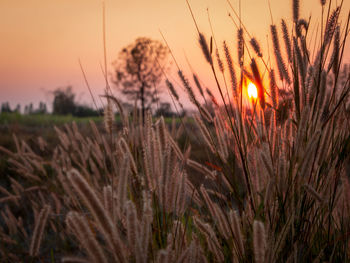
[(240, 46), (188, 88), (172, 89), (255, 44), (331, 25), (205, 49), (231, 70), (258, 82), (286, 39), (336, 51), (199, 86), (259, 241), (39, 228), (108, 117), (296, 8), (273, 89), (283, 72), (220, 63)]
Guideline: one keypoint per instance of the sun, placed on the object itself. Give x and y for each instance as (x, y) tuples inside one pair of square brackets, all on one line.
[(252, 91)]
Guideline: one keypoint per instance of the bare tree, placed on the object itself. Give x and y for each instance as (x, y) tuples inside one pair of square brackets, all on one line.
[(138, 70)]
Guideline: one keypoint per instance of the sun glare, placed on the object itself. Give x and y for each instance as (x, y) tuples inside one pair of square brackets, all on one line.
[(252, 91)]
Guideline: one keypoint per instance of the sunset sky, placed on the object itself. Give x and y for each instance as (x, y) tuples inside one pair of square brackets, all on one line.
[(41, 41)]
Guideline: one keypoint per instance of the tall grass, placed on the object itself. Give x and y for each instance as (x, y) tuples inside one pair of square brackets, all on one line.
[(274, 187)]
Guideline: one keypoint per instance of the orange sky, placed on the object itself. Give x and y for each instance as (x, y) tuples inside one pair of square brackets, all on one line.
[(42, 40)]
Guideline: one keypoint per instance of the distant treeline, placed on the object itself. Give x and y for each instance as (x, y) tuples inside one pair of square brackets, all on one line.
[(28, 109), (64, 104)]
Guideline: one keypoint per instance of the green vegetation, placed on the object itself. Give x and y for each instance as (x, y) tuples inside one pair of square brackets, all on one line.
[(42, 120)]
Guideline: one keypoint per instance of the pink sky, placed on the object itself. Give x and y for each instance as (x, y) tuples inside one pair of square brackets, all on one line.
[(41, 41)]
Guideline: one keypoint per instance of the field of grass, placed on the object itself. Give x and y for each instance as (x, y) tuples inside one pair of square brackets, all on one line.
[(42, 120), (30, 127), (266, 180)]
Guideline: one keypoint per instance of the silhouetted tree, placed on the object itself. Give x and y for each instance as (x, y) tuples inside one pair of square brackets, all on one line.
[(5, 107), (138, 70), (63, 102)]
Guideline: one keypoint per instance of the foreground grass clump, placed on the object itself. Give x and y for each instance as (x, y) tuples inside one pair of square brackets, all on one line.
[(274, 186)]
